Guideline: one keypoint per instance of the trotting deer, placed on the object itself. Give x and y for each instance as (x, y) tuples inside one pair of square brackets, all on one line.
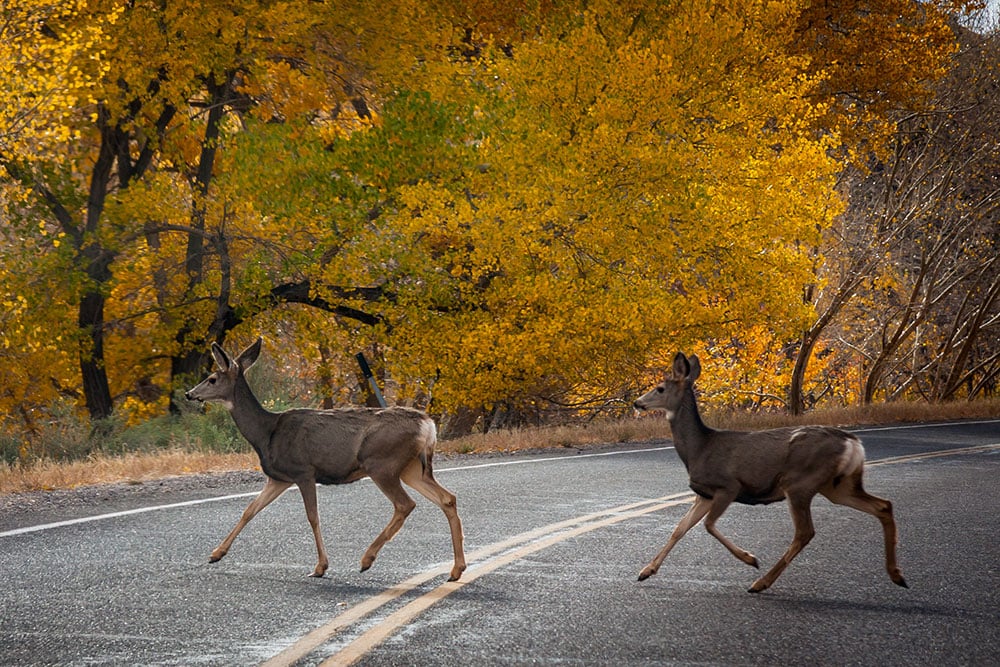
[(305, 447), (756, 468)]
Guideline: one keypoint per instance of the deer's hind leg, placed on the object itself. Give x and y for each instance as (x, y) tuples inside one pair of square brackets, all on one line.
[(308, 491), (422, 479), (851, 493), (402, 505)]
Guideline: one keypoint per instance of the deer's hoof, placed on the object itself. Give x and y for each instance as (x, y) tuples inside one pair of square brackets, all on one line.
[(757, 587), (753, 562), (367, 561), (317, 574), (900, 582), (215, 557), (646, 574)]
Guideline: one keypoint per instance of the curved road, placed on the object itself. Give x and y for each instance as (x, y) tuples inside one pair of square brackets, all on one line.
[(554, 541)]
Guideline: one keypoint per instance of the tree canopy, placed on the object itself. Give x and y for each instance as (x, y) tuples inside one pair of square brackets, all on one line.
[(512, 205)]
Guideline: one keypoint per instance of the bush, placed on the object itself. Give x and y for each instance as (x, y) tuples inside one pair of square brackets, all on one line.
[(61, 436), (66, 436), (10, 449)]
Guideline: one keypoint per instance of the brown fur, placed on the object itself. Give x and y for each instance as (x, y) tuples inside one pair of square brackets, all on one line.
[(761, 467), (305, 447)]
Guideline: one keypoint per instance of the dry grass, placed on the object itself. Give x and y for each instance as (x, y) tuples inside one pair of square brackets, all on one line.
[(138, 468), (128, 468), (653, 427)]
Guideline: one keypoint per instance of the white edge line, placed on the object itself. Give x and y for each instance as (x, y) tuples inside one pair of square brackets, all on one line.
[(202, 501), (115, 515), (907, 427), (568, 457)]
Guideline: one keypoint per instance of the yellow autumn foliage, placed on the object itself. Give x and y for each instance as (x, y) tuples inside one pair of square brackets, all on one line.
[(635, 199), (512, 203)]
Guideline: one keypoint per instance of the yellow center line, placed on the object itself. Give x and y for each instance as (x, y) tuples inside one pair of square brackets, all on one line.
[(933, 455), (511, 550), (319, 636), (376, 635)]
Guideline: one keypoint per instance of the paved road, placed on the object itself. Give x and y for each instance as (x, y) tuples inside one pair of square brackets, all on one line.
[(555, 543)]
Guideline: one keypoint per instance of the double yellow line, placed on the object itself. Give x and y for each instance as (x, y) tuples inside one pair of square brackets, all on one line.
[(485, 561)]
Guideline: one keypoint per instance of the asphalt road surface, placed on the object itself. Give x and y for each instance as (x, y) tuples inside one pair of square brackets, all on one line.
[(555, 542)]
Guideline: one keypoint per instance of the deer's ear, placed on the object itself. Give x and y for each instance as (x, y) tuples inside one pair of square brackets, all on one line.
[(221, 358), (249, 356), (681, 366), (695, 368)]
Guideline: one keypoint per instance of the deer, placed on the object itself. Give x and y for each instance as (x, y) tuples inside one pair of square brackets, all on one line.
[(306, 447), (758, 468)]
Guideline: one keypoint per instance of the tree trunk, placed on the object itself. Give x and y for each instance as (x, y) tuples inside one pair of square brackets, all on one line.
[(806, 346), (808, 343), (190, 361), (96, 390), (90, 319)]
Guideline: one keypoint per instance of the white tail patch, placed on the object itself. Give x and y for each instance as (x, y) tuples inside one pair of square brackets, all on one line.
[(428, 432), (853, 457)]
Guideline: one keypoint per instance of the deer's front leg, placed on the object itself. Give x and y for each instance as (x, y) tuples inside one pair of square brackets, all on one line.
[(804, 532), (308, 491), (272, 489), (719, 504), (698, 510)]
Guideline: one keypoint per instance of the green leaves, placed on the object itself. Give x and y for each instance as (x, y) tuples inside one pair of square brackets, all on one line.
[(534, 202)]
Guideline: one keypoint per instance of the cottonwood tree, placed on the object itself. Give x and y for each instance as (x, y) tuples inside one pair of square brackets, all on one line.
[(870, 84), (648, 177), (522, 227), (876, 61), (135, 153), (911, 266), (518, 203), (50, 59), (937, 319)]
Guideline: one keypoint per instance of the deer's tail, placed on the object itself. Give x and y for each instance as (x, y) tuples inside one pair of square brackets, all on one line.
[(428, 438)]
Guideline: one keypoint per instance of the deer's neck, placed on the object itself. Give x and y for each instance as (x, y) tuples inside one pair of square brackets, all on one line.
[(689, 432), (254, 422)]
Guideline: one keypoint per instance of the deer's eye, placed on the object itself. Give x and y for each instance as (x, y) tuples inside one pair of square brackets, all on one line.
[(659, 390), (211, 380)]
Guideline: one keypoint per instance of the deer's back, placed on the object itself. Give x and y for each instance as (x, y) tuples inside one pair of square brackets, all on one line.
[(747, 464), (759, 466), (336, 446)]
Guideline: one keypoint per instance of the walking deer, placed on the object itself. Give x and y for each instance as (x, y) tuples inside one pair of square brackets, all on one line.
[(761, 467), (305, 447)]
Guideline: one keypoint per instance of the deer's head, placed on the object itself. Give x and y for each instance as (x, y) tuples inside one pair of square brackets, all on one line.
[(220, 386), (668, 394)]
